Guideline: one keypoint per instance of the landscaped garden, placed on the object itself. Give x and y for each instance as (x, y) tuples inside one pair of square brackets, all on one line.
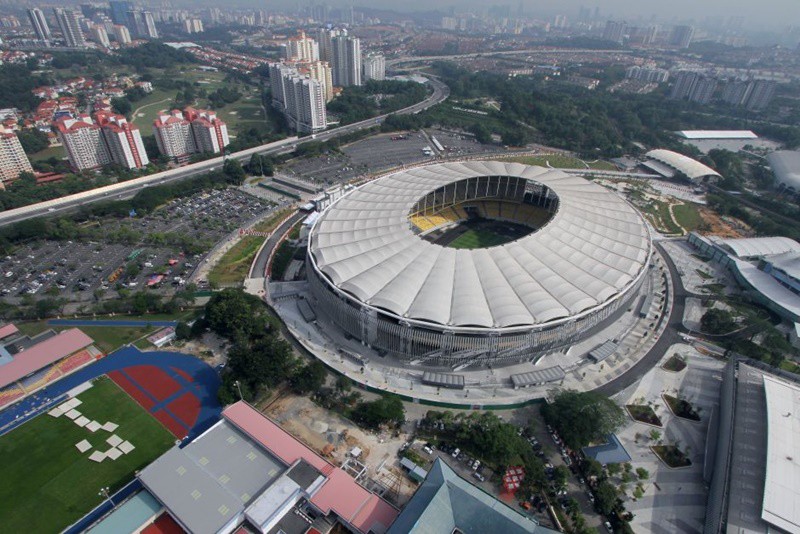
[(644, 414), (681, 408), (675, 364), (671, 455)]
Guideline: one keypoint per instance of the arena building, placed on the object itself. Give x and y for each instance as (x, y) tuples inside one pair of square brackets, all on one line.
[(481, 262)]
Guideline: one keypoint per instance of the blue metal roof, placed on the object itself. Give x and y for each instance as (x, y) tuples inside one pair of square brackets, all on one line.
[(611, 452)]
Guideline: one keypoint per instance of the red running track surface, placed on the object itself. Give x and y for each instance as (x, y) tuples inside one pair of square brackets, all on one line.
[(186, 376), (129, 388), (172, 425), (153, 380), (186, 408)]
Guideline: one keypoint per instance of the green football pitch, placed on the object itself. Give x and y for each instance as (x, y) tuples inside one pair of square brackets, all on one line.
[(47, 484), (480, 238)]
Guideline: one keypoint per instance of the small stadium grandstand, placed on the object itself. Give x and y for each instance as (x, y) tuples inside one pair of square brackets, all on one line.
[(28, 364)]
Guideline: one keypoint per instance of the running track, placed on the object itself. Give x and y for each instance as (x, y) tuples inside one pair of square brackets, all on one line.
[(203, 385)]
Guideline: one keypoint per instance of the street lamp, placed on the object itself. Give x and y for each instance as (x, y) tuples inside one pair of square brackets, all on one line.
[(104, 493), (239, 388)]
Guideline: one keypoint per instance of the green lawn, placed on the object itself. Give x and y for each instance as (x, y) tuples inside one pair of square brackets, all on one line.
[(48, 485), (478, 238), (146, 110), (788, 365), (50, 152), (234, 266), (562, 162), (687, 216), (110, 338)]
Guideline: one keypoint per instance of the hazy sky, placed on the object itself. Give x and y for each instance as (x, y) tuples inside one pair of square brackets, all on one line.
[(776, 13)]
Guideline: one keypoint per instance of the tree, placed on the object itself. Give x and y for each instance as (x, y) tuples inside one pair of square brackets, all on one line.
[(655, 435), (121, 105), (183, 330), (606, 497), (642, 473), (234, 314), (716, 321), (308, 378), (561, 476), (613, 469), (386, 410), (234, 171), (592, 468), (32, 140), (581, 418), (267, 362)]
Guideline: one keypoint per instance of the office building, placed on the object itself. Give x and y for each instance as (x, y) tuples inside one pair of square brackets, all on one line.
[(300, 98), (682, 36), (119, 12), (100, 36), (346, 64), (84, 143), (615, 31), (374, 67), (69, 24), (122, 34), (39, 23), (124, 141), (302, 48), (193, 26), (13, 159)]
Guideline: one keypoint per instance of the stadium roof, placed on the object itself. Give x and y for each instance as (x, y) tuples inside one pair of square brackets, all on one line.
[(788, 262), (756, 247), (594, 247), (782, 485), (446, 502), (786, 166), (692, 168), (43, 354), (787, 302), (209, 482), (717, 134)]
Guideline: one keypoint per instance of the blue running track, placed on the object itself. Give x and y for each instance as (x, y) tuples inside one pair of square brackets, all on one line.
[(204, 386)]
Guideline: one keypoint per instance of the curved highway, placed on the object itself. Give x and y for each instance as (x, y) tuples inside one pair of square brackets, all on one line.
[(131, 187)]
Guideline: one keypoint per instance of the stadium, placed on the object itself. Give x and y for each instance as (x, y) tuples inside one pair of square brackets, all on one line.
[(475, 263)]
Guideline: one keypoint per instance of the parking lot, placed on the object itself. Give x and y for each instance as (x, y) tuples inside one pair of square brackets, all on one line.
[(384, 151), (158, 251)]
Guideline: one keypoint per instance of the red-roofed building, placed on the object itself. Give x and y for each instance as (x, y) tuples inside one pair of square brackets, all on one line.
[(179, 134), (40, 355), (246, 471), (123, 139), (13, 159), (83, 140)]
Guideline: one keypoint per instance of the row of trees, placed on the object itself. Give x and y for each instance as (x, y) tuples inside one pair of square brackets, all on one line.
[(259, 359)]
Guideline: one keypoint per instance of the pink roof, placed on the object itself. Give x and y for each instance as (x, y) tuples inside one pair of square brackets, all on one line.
[(7, 329), (341, 493), (43, 354)]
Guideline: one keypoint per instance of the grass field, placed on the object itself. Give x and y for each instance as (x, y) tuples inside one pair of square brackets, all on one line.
[(562, 162), (48, 485), (110, 338), (234, 265), (50, 152), (146, 110), (688, 216), (479, 238)]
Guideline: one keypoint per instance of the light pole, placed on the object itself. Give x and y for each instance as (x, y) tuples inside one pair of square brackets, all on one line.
[(239, 389), (104, 493)]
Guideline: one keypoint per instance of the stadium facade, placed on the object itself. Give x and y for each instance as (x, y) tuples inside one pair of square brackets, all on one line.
[(379, 271)]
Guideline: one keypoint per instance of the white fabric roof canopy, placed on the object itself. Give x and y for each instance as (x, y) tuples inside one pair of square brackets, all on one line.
[(594, 246)]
